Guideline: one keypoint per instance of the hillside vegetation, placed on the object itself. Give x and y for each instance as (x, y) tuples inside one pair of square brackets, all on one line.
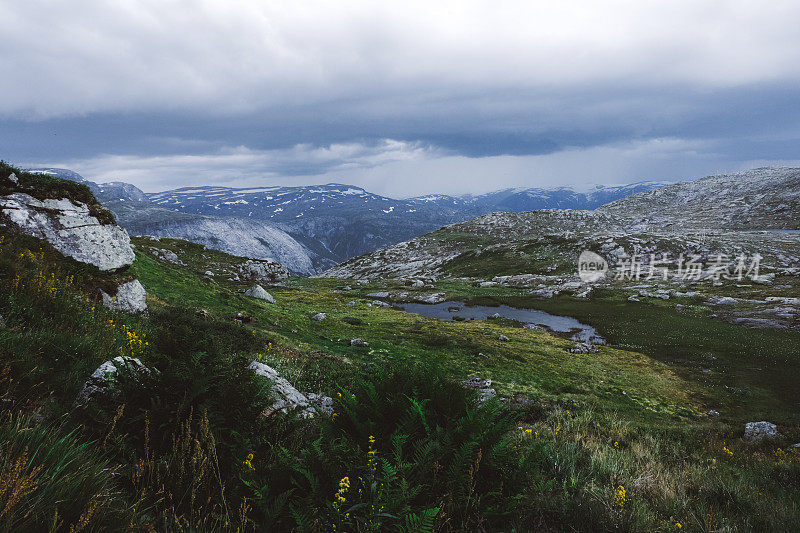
[(616, 440)]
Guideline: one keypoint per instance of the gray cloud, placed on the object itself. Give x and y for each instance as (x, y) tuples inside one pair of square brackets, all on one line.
[(152, 91)]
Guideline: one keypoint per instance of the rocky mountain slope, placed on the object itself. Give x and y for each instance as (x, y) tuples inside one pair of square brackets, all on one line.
[(748, 212), (342, 221), (135, 212), (762, 198), (331, 223)]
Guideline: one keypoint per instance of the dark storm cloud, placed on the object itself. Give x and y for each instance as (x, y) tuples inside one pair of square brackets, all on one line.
[(520, 93)]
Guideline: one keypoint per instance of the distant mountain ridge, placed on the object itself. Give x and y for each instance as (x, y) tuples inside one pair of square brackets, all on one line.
[(756, 210), (135, 212), (332, 223)]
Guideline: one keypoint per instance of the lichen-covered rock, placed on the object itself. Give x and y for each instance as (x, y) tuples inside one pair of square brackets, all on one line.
[(130, 297), (70, 228), (263, 271), (323, 403), (103, 380), (722, 300), (756, 431), (433, 298), (168, 256), (483, 386), (381, 294), (287, 398), (543, 293), (584, 348), (257, 291)]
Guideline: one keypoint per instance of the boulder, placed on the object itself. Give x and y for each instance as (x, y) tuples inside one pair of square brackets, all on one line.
[(319, 317), (503, 338), (13, 178), (130, 297), (358, 342), (262, 271), (323, 403), (542, 293), (382, 294), (584, 348), (757, 431), (287, 398), (436, 298), (483, 386), (722, 300), (351, 303), (168, 256), (784, 300), (70, 229), (378, 303), (662, 295), (584, 293), (103, 380), (258, 292)]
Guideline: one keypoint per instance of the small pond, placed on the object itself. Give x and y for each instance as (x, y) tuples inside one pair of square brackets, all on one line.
[(536, 318)]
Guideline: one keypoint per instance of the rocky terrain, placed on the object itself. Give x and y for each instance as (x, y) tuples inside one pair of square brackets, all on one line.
[(70, 220), (139, 215), (331, 223), (726, 224), (729, 213), (758, 199), (270, 396)]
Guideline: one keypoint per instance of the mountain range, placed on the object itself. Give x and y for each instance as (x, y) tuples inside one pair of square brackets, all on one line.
[(752, 212), (311, 228)]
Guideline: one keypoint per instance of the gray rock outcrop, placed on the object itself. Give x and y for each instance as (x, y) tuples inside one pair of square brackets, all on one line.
[(258, 292), (130, 297), (436, 298), (168, 256), (70, 228), (584, 348), (263, 271), (483, 386), (288, 398), (103, 379), (757, 431)]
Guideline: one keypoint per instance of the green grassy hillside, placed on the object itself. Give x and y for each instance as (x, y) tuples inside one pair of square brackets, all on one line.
[(611, 441)]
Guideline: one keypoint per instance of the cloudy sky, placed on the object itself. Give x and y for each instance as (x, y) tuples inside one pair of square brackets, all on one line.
[(402, 98)]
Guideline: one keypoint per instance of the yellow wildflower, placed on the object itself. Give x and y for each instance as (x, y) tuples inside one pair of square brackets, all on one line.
[(619, 496), (727, 451)]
